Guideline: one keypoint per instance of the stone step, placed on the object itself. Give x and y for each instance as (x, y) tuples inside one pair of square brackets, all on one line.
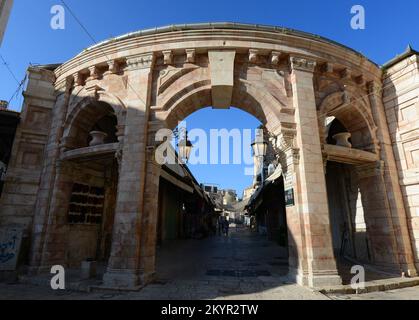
[(373, 286)]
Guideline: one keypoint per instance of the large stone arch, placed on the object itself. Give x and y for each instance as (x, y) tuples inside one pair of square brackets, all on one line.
[(259, 104), (151, 79)]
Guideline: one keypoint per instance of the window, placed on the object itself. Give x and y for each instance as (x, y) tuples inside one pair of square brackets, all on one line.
[(86, 204)]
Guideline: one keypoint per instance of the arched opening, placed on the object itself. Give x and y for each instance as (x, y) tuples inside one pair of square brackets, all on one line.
[(224, 179), (359, 221), (89, 185), (94, 116)]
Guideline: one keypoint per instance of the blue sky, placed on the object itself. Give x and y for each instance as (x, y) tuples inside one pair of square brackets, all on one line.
[(390, 27)]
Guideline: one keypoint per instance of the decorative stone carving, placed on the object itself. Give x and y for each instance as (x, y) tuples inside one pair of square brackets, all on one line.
[(222, 77), (360, 80), (342, 139), (374, 88), (168, 57), (274, 57), (302, 64), (98, 138), (253, 55), (346, 74), (142, 61), (112, 67), (78, 79), (93, 70), (190, 55)]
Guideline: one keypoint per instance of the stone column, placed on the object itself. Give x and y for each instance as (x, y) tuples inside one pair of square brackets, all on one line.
[(43, 214), (150, 216), (311, 184), (297, 256), (390, 183), (380, 229), (124, 268)]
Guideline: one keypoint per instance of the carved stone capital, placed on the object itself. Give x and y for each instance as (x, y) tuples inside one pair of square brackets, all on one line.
[(286, 148), (253, 55), (112, 67), (78, 79), (274, 57), (167, 57), (374, 88), (302, 64), (286, 140), (190, 55), (93, 73), (346, 74), (142, 61)]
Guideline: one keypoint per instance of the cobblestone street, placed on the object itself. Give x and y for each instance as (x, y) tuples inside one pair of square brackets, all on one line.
[(242, 266)]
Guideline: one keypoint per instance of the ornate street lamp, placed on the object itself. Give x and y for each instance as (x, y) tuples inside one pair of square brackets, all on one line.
[(185, 148), (260, 147)]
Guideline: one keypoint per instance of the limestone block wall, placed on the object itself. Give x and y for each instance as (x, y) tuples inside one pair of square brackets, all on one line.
[(21, 186), (401, 101)]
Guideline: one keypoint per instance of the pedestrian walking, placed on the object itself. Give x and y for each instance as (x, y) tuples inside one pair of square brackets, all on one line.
[(226, 227)]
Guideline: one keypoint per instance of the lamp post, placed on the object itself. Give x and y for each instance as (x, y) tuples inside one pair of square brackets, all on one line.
[(185, 148), (260, 147)]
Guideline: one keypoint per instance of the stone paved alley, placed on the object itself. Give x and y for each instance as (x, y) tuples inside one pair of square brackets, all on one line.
[(243, 266)]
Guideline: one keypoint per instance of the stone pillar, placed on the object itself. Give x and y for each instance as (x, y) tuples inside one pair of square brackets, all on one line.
[(310, 180), (150, 216), (390, 183), (124, 268), (297, 256), (380, 230), (43, 214)]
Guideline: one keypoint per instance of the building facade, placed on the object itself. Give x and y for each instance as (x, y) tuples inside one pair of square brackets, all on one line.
[(321, 103)]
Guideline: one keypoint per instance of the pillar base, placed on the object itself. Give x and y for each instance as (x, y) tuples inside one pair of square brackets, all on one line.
[(327, 279), (320, 280), (121, 278), (296, 275)]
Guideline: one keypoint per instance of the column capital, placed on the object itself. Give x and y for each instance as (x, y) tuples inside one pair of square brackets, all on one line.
[(302, 64), (93, 73), (370, 169), (112, 67), (167, 56), (374, 87), (142, 61), (78, 79), (190, 55)]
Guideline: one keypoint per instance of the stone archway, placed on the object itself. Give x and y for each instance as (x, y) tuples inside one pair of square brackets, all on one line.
[(222, 80), (159, 77)]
